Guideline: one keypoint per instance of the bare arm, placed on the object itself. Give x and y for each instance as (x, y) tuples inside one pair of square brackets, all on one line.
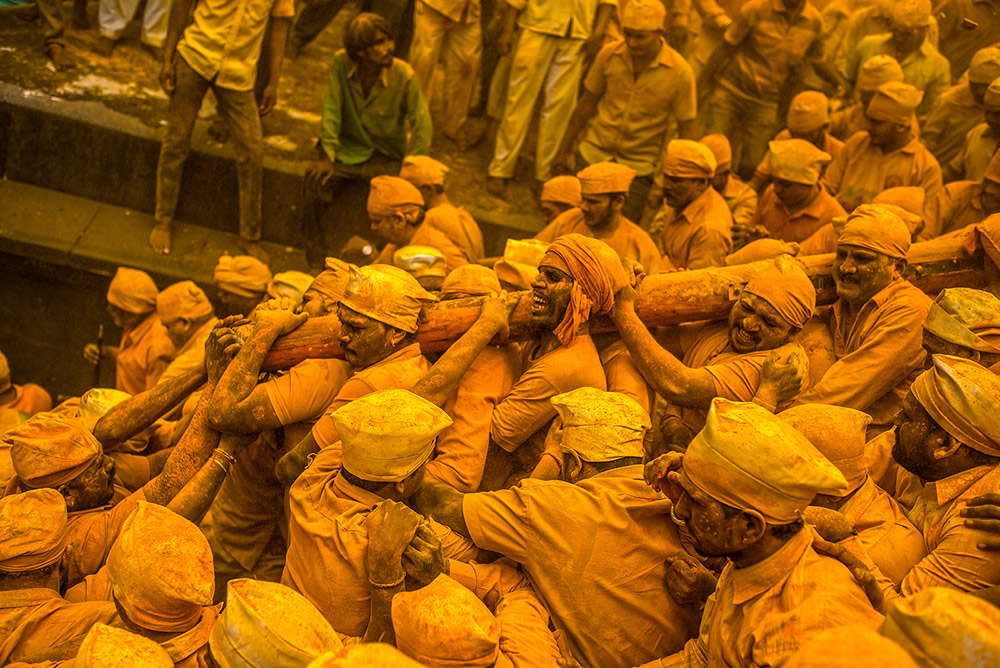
[(443, 503), (584, 110), (180, 11), (195, 498), (276, 50), (134, 415), (391, 527)]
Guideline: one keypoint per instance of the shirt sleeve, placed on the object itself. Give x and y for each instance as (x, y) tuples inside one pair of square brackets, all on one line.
[(709, 248), (324, 431), (685, 103), (956, 562), (596, 80), (306, 390), (499, 522), (333, 107), (523, 412)]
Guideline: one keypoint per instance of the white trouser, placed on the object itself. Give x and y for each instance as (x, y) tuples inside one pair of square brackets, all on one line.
[(114, 15), (462, 44), (554, 64)]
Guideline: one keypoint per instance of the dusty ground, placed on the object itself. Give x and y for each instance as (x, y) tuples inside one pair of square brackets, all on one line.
[(127, 82)]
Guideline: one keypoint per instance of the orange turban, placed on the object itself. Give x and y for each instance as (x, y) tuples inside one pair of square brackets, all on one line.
[(387, 294), (109, 647), (445, 624), (291, 284), (877, 229), (161, 569), (471, 280), (687, 159), (785, 286), (966, 317), (838, 433), (747, 458), (602, 178), (422, 170), (32, 530), (878, 70), (48, 450), (182, 300), (808, 112), (894, 102), (332, 281), (243, 275), (720, 147), (132, 291), (963, 398), (600, 426), (390, 194), (796, 160), (597, 275), (562, 189)]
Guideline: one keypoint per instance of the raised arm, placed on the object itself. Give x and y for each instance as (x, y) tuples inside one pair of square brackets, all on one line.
[(137, 413)]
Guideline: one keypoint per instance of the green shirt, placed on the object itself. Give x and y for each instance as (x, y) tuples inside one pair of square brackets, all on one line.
[(354, 126)]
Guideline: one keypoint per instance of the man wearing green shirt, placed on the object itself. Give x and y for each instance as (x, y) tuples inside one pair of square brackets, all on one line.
[(373, 116)]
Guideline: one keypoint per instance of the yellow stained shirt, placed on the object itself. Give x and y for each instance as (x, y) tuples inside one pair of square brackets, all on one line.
[(143, 356), (698, 236)]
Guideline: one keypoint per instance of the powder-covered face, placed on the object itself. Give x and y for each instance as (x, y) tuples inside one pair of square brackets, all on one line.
[(550, 295)]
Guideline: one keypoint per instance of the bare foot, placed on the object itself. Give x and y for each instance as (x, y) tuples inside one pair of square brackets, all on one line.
[(496, 186), (159, 239), (57, 54), (255, 249)]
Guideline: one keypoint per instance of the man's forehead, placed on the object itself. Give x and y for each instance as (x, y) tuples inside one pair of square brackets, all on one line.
[(563, 276), (350, 316), (859, 250)]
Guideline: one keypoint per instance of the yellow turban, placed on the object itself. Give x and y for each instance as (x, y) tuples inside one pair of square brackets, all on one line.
[(445, 624), (365, 655), (894, 102), (838, 433), (850, 646), (332, 281), (992, 97), (946, 628), (290, 284), (720, 147), (182, 300), (48, 450), (877, 229), (878, 70), (109, 647), (747, 458), (471, 280), (132, 291), (963, 398), (161, 569), (785, 286), (387, 294), (267, 624), (389, 195), (562, 189), (422, 170), (602, 178), (600, 426), (32, 530), (985, 65), (808, 112), (519, 265), (796, 160), (421, 261), (910, 14), (687, 159), (97, 401), (645, 15), (243, 275), (966, 317), (387, 435)]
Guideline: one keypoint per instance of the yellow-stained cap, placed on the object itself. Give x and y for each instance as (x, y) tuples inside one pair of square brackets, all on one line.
[(838, 433), (387, 294), (109, 647), (966, 317), (289, 284), (796, 160), (49, 450), (784, 285), (720, 147), (605, 177), (182, 300), (421, 261), (242, 275), (600, 426), (688, 159), (388, 195), (985, 65), (808, 111), (366, 655), (645, 15), (878, 70), (471, 280), (132, 291), (910, 14), (423, 170), (895, 102), (97, 401), (876, 228), (32, 530), (562, 189)]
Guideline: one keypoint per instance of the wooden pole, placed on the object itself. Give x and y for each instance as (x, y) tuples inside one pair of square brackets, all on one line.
[(666, 299)]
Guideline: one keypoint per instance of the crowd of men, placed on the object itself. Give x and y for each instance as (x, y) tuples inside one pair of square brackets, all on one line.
[(737, 403)]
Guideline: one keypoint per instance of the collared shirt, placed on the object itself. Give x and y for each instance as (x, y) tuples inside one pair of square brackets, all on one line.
[(961, 205), (327, 559), (958, 44), (977, 151), (698, 236), (847, 122), (624, 376), (878, 355), (596, 554), (143, 355), (775, 42), (889, 538), (427, 235), (400, 371), (953, 559), (628, 239), (823, 240), (925, 68), (760, 615), (954, 113), (34, 620), (191, 355), (559, 18), (863, 170), (799, 226), (223, 40), (633, 112), (741, 200), (392, 119), (189, 649)]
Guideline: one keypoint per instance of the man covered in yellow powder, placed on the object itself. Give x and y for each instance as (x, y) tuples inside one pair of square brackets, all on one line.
[(722, 359), (33, 616), (145, 350), (693, 225), (891, 540), (604, 187), (386, 438), (188, 317), (740, 197), (559, 194), (876, 321), (740, 492), (575, 541), (965, 203), (874, 72), (242, 284), (109, 645), (28, 398), (964, 322), (428, 175), (887, 155), (396, 210)]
